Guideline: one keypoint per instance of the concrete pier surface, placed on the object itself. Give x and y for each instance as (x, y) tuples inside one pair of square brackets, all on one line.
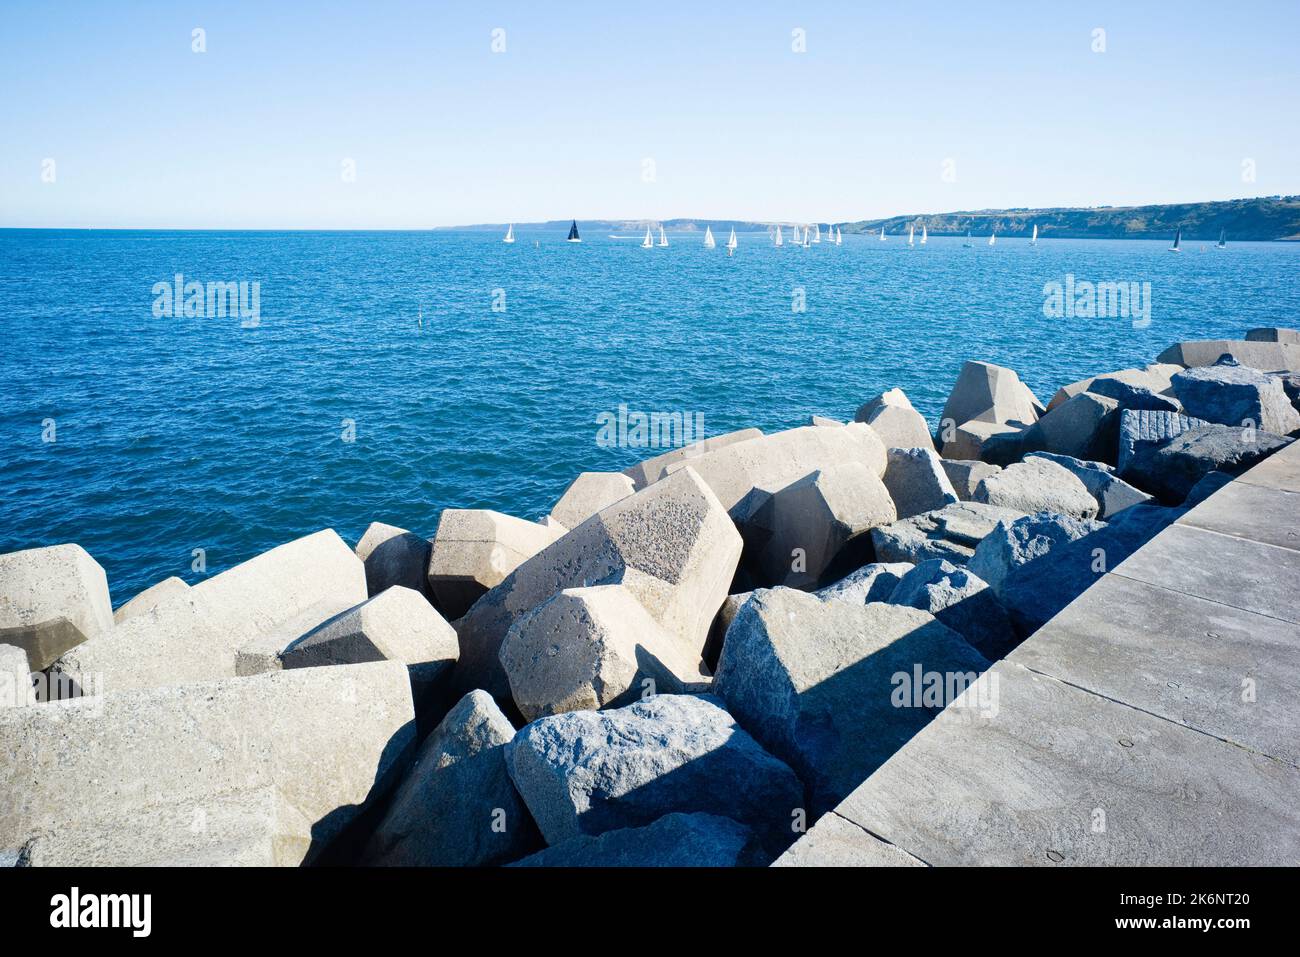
[(1154, 721)]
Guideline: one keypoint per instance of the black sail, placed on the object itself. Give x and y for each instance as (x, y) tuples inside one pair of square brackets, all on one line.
[(573, 230)]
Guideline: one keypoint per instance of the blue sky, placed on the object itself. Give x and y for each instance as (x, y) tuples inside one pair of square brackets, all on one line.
[(254, 132)]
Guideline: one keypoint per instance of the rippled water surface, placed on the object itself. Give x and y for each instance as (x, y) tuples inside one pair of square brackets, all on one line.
[(173, 434)]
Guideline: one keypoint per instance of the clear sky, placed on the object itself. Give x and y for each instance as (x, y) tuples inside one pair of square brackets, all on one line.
[(254, 132)]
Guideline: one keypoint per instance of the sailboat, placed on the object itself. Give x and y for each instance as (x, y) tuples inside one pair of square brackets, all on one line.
[(817, 232), (839, 236), (805, 237), (510, 234), (882, 234), (573, 233), (993, 238), (925, 237), (1033, 240), (647, 243), (911, 234), (1223, 240), (708, 238), (967, 244), (731, 241), (1178, 239), (779, 240), (663, 240)]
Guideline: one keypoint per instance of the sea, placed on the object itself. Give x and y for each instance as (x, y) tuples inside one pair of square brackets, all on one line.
[(389, 375)]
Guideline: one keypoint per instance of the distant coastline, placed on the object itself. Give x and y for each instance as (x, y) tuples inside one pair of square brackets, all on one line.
[(1265, 218)]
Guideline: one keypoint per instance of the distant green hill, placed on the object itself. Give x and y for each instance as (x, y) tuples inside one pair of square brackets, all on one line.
[(1264, 218)]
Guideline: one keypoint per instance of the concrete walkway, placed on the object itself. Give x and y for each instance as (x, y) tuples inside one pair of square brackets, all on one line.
[(1155, 720)]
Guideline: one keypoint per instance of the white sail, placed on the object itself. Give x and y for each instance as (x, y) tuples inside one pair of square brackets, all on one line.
[(839, 236), (510, 234), (647, 242), (817, 232), (925, 237), (708, 237), (993, 238), (779, 240), (731, 241), (806, 234), (1033, 240), (663, 240), (911, 235), (882, 234)]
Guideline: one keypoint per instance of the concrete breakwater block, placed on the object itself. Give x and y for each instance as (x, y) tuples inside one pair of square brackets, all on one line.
[(1037, 485), (951, 532), (589, 648), (588, 772), (394, 556), (588, 494), (897, 423), (330, 739), (475, 549), (814, 682), (398, 624), (774, 461), (653, 469), (151, 598), (456, 807), (671, 545), (52, 599), (989, 393), (197, 634), (252, 827)]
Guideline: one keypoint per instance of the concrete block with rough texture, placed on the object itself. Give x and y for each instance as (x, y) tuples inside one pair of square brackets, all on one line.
[(874, 582), (1111, 492), (474, 550), (989, 393), (818, 523), (588, 494), (398, 624), (1265, 356), (1237, 395), (671, 544), (52, 599), (1037, 485), (456, 807), (394, 556), (970, 439), (332, 740), (588, 772), (896, 421), (965, 475), (814, 682), (590, 648), (961, 600), (917, 482), (653, 469), (1013, 544), (951, 532), (150, 598), (774, 461), (261, 594)]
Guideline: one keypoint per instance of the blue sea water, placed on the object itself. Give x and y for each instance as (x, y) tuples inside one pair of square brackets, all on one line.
[(172, 434)]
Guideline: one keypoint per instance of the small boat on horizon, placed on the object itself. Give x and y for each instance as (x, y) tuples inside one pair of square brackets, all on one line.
[(924, 235), (709, 242), (1033, 240), (779, 240), (968, 244), (731, 241), (993, 238), (882, 234), (839, 236), (573, 233), (805, 238), (817, 232), (1178, 241), (648, 242), (663, 240), (1223, 239), (510, 234), (911, 235)]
